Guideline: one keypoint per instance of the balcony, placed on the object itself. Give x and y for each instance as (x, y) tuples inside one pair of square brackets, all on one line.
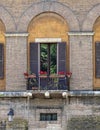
[(44, 82)]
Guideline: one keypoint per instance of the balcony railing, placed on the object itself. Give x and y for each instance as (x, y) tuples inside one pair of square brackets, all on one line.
[(44, 82)]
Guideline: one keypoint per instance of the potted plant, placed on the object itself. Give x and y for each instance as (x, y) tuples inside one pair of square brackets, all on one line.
[(32, 82), (69, 74)]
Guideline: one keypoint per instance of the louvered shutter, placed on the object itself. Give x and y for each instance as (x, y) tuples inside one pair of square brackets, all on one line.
[(34, 58), (1, 60), (97, 59), (62, 56)]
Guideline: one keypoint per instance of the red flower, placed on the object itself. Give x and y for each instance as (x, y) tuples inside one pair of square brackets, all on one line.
[(61, 73), (25, 74), (43, 72), (69, 74)]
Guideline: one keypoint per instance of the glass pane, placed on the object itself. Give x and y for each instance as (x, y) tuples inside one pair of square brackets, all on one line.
[(54, 116), (43, 57), (48, 117), (42, 117), (53, 58), (48, 58)]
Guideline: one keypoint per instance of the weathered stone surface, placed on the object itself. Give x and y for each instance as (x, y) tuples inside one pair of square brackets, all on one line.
[(84, 123)]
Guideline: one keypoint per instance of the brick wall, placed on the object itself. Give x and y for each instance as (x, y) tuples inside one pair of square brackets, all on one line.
[(16, 62), (81, 63)]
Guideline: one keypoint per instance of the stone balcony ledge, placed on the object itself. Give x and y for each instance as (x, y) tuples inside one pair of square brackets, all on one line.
[(81, 93), (53, 93)]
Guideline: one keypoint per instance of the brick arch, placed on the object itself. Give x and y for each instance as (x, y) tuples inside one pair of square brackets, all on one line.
[(7, 19), (2, 26), (49, 6), (93, 14)]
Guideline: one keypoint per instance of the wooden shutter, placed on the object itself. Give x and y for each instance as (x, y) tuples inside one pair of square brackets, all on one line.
[(1, 60), (62, 56), (97, 59), (34, 58)]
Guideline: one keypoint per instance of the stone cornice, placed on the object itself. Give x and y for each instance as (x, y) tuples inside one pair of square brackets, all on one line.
[(15, 94), (80, 33), (16, 34), (47, 40), (83, 93), (65, 94)]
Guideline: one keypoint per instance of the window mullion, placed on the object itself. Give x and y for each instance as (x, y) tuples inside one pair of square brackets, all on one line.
[(48, 68)]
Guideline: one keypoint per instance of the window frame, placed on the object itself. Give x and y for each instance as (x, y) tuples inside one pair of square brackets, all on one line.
[(44, 117), (61, 62), (2, 61), (96, 59)]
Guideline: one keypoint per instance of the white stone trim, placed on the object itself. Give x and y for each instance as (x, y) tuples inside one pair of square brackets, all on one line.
[(16, 34), (47, 40), (80, 33), (65, 94), (84, 93), (15, 94), (47, 94)]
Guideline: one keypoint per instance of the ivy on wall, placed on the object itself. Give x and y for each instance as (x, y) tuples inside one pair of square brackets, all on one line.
[(18, 124), (84, 123)]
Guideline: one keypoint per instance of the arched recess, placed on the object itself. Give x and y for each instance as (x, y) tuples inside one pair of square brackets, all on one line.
[(96, 48), (7, 19), (48, 25), (2, 56), (48, 6), (91, 17)]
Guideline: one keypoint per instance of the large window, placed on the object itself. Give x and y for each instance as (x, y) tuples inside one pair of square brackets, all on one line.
[(46, 61), (49, 57)]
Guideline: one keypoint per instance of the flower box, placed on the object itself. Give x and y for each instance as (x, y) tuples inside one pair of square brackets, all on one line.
[(69, 74)]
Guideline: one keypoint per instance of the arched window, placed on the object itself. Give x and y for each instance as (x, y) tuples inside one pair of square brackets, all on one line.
[(96, 46), (48, 46)]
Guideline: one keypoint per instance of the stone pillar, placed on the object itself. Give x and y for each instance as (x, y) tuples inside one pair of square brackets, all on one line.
[(81, 60), (16, 61), (65, 114)]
